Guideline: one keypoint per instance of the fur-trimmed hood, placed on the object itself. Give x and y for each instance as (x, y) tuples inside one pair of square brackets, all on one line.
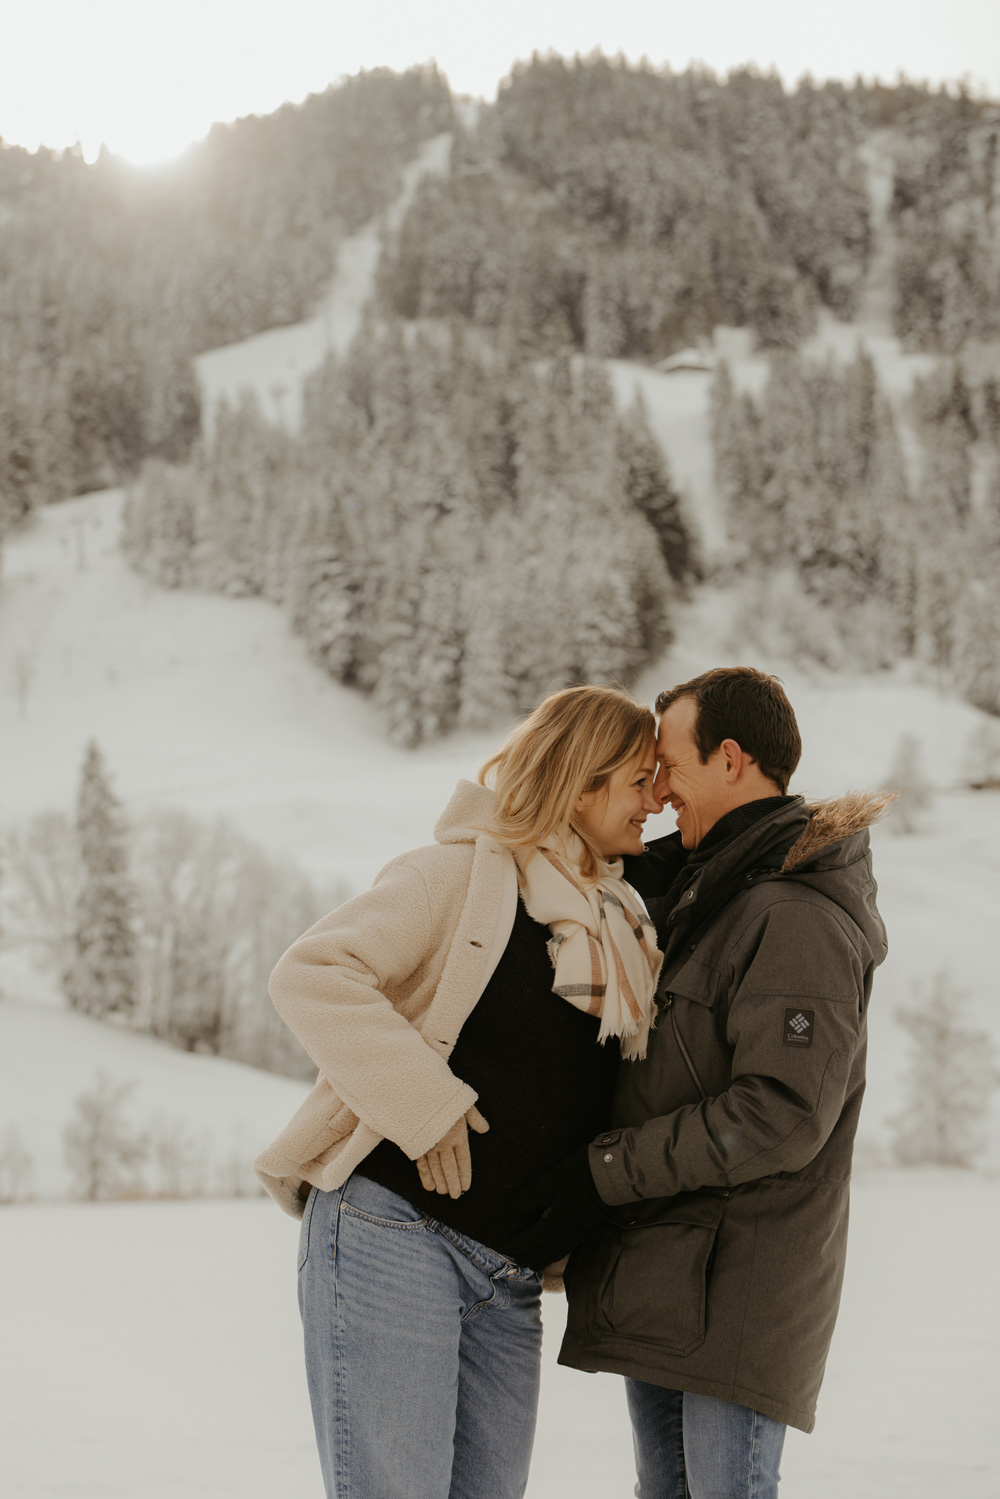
[(831, 822), (823, 845)]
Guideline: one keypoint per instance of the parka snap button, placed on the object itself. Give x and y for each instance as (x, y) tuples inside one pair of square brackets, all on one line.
[(609, 1157)]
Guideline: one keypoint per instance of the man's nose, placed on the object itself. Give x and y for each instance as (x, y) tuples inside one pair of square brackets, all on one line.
[(661, 788)]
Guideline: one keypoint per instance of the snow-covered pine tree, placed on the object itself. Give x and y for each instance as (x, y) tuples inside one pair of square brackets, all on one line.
[(160, 522), (101, 978), (647, 483), (977, 643), (990, 408), (790, 502), (737, 462), (329, 586)]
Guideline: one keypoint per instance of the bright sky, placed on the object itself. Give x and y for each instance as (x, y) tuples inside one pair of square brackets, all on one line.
[(147, 79)]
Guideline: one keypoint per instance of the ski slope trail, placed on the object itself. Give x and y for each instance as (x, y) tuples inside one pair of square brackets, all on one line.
[(274, 365)]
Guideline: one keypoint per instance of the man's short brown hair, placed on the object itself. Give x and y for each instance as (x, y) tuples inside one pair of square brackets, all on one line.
[(738, 702)]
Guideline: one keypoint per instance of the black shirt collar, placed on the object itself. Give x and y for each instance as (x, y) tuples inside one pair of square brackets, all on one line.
[(733, 823)]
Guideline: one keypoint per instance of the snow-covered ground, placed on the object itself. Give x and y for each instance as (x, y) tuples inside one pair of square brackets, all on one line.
[(151, 1351)]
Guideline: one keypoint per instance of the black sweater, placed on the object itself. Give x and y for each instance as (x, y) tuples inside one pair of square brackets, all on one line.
[(544, 1085)]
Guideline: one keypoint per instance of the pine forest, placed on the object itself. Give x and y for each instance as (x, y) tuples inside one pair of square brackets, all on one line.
[(466, 515)]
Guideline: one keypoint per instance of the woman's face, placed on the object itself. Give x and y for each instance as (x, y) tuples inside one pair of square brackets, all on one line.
[(613, 816)]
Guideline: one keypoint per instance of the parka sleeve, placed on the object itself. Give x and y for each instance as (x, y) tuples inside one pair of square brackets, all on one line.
[(786, 1095), (329, 988)]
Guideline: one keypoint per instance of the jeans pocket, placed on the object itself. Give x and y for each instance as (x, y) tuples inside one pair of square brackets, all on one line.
[(306, 1225), (654, 1285), (363, 1198)]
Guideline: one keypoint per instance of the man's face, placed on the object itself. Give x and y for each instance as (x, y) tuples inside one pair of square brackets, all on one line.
[(699, 794)]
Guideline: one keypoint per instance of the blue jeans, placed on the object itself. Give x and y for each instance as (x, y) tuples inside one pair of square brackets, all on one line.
[(423, 1352), (696, 1447)]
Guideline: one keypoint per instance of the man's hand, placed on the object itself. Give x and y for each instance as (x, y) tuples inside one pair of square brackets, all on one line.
[(447, 1166), (569, 1208)]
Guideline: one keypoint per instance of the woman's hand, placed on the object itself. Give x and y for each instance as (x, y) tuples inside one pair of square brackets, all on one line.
[(447, 1166)]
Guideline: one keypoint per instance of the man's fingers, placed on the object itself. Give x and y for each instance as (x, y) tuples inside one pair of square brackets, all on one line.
[(475, 1120)]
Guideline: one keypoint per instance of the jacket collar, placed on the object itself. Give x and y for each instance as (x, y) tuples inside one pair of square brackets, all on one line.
[(794, 839)]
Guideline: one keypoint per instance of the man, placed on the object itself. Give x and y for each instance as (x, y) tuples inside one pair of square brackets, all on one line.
[(713, 1213)]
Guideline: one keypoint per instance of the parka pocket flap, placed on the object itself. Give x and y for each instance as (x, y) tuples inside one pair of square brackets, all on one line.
[(698, 1209), (655, 1282)]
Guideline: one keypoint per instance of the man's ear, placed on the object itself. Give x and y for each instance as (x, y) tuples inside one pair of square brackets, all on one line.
[(736, 759)]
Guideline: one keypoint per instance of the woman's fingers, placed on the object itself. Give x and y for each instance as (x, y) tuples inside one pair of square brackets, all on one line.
[(426, 1175), (447, 1166), (463, 1160), (437, 1171), (452, 1173)]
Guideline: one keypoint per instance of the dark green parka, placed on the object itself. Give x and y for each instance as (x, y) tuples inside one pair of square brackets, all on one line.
[(730, 1154)]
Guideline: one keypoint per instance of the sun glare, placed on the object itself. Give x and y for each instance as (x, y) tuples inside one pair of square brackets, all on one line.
[(149, 81)]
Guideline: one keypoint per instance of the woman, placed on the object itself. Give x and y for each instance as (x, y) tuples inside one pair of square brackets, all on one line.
[(439, 1002)]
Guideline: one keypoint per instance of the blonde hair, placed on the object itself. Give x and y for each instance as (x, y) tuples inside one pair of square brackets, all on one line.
[(573, 742)]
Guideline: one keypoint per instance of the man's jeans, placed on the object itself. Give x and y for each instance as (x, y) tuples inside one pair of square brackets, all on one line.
[(697, 1447), (423, 1352)]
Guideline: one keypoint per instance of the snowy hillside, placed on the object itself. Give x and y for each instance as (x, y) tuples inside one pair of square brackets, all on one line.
[(210, 705), (214, 1115)]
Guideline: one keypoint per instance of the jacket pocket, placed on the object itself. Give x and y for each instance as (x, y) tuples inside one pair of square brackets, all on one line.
[(338, 1129), (306, 1227), (655, 1282)]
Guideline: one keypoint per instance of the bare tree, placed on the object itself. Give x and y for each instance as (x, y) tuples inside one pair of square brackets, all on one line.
[(179, 1157), (17, 1168), (103, 1150), (44, 877), (982, 757), (906, 776), (24, 676), (215, 911), (950, 1077)]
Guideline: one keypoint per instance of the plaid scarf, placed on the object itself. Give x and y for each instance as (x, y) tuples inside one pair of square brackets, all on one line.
[(603, 944)]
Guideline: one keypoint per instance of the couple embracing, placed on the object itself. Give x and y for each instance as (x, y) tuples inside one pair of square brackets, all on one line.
[(540, 1038)]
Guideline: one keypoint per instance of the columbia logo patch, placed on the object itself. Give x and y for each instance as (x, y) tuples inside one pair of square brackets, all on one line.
[(799, 1026)]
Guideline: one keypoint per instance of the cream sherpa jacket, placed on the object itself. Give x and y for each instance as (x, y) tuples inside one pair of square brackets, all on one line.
[(377, 993)]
